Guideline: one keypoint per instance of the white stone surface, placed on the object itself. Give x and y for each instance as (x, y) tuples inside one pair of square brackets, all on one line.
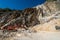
[(39, 36)]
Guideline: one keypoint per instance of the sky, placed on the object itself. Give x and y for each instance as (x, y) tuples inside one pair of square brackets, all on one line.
[(20, 4)]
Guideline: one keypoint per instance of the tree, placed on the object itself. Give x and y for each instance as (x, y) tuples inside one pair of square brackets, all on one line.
[(1, 10), (51, 0), (6, 10)]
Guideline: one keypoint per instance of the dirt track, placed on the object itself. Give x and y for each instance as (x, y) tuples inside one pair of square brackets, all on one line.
[(42, 35)]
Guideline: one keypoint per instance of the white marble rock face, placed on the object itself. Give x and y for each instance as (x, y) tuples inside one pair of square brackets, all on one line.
[(44, 31)]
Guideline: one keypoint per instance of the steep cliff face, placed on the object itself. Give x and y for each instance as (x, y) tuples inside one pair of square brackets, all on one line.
[(51, 18), (31, 23), (48, 7), (29, 17), (15, 19)]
